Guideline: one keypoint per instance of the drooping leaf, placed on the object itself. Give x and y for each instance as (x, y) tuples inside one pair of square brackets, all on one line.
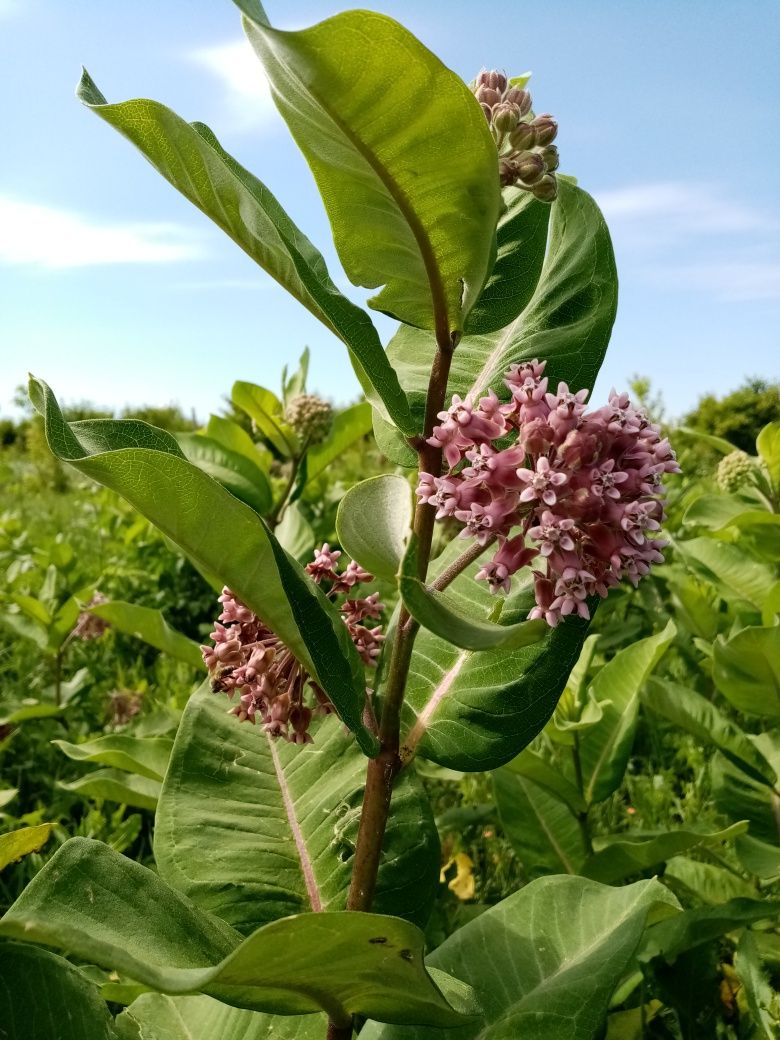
[(189, 156), (693, 712), (719, 512), (115, 913), (626, 855), (43, 997), (234, 471), (235, 437), (567, 321), (434, 611), (373, 523), (402, 218), (692, 928), (606, 747), (544, 962), (475, 711), (746, 669), (265, 410), (269, 829), (22, 842), (349, 425), (150, 625), (223, 535), (542, 829), (115, 785), (145, 756)]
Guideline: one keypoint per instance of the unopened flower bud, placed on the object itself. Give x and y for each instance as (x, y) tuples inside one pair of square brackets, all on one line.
[(493, 78), (521, 98), (546, 188), (487, 96), (310, 417), (529, 167), (735, 470), (505, 117), (523, 137), (546, 129), (550, 157)]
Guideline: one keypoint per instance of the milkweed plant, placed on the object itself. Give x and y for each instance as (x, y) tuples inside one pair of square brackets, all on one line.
[(296, 853)]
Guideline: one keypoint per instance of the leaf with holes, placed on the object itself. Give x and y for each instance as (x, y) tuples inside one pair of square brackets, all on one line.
[(253, 829), (111, 911)]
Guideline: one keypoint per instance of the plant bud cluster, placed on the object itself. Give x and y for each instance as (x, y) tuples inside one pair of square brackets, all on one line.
[(90, 626), (310, 417), (249, 659), (735, 471), (527, 157), (576, 494)]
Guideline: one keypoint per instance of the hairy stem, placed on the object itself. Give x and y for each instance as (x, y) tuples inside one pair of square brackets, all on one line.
[(457, 567), (383, 769)]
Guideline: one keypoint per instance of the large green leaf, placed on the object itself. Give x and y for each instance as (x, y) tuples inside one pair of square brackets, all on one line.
[(113, 912), (545, 961), (476, 710), (189, 156), (605, 748), (234, 471), (542, 829), (567, 321), (269, 829), (719, 512), (373, 523), (153, 1016), (43, 997), (735, 574), (229, 434), (705, 882), (221, 534), (145, 756), (150, 625), (626, 855), (411, 187), (699, 716), (761, 999), (533, 766), (746, 669)]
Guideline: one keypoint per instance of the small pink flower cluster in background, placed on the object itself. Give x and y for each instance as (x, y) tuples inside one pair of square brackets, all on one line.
[(90, 626), (249, 658), (579, 492)]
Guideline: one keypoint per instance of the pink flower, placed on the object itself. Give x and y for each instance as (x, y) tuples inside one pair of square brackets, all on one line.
[(553, 532), (541, 482)]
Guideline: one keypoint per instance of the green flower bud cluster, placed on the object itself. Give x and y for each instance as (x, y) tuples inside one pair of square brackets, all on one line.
[(735, 470), (527, 156), (310, 417)]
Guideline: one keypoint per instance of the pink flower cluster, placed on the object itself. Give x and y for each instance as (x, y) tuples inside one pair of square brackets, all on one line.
[(578, 492), (248, 658)]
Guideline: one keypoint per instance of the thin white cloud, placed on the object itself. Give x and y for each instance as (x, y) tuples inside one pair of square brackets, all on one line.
[(247, 93), (694, 237), (41, 236), (677, 209)]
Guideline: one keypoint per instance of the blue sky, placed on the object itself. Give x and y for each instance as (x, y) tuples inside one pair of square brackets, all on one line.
[(114, 289)]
